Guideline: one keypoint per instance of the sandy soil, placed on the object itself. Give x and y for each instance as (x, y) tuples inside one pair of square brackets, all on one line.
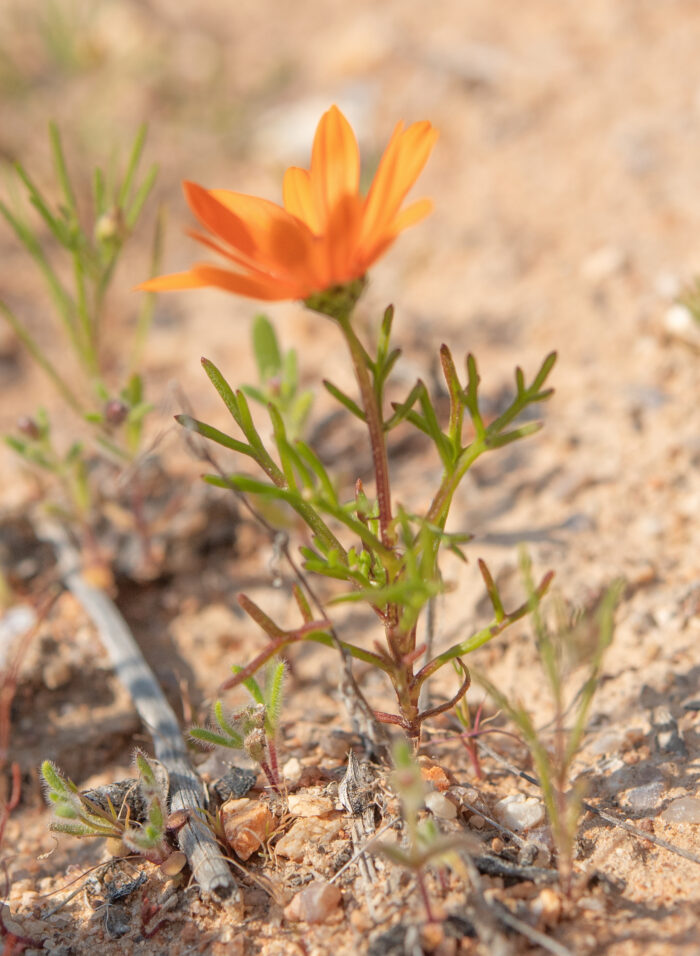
[(567, 216)]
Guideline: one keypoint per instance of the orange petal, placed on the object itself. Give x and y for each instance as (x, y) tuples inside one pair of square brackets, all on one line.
[(217, 218), (171, 283), (282, 245), (335, 164), (407, 217), (341, 240), (228, 253), (253, 287), (296, 193), (400, 166)]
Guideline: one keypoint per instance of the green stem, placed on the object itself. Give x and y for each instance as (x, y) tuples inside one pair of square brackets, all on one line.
[(440, 505), (40, 358)]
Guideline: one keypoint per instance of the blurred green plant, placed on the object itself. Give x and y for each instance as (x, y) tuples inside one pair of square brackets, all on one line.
[(279, 379), (253, 729), (423, 844), (81, 815), (113, 417), (690, 298), (578, 641)]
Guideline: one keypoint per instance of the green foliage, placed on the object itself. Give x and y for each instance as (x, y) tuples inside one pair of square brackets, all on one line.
[(388, 559), (79, 816), (65, 239), (92, 249), (278, 377), (578, 642), (690, 298)]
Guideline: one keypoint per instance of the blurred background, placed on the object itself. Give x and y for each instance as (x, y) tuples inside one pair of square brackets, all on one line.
[(565, 182)]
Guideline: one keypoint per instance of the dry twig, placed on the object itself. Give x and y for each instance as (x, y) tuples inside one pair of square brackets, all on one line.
[(196, 840)]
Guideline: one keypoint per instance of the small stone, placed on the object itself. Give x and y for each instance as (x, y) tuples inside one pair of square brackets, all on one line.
[(646, 797), (680, 323), (247, 829), (314, 904), (477, 822), (309, 805), (440, 805), (336, 744), (602, 264), (432, 936), (434, 774), (56, 674), (667, 736), (607, 743), (518, 812), (683, 810), (292, 771), (547, 907), (304, 835), (235, 783)]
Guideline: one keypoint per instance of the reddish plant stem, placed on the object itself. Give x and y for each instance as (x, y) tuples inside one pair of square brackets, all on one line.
[(375, 426)]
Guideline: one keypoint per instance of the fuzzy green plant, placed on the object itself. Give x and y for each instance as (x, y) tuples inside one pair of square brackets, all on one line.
[(254, 728), (572, 644), (82, 816)]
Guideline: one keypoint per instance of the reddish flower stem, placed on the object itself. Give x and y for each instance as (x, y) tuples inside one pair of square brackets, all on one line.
[(375, 425)]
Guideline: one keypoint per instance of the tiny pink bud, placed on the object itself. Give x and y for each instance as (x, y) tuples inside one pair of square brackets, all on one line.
[(115, 411), (28, 427)]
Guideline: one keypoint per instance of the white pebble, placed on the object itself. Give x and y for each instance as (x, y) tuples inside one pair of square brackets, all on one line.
[(440, 805), (683, 810), (518, 812)]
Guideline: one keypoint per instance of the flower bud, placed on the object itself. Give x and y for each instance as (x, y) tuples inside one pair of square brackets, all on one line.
[(115, 411), (28, 427), (110, 227)]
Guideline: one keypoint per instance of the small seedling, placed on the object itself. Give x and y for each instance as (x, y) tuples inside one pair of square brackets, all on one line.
[(253, 729), (553, 753), (423, 843)]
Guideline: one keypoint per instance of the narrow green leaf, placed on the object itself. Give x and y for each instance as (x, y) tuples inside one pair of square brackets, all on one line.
[(266, 348), (140, 198), (213, 434), (344, 400), (132, 166), (216, 740), (62, 171)]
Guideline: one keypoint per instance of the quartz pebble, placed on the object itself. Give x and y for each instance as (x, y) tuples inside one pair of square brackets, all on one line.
[(314, 904), (305, 834), (645, 797), (246, 829), (679, 323), (547, 907), (683, 810), (440, 805), (518, 812), (602, 264), (292, 771), (309, 805)]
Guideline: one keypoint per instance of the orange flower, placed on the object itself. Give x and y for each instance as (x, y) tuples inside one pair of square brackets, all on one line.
[(326, 234)]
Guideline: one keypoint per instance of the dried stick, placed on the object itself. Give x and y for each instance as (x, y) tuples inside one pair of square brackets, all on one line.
[(196, 840)]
